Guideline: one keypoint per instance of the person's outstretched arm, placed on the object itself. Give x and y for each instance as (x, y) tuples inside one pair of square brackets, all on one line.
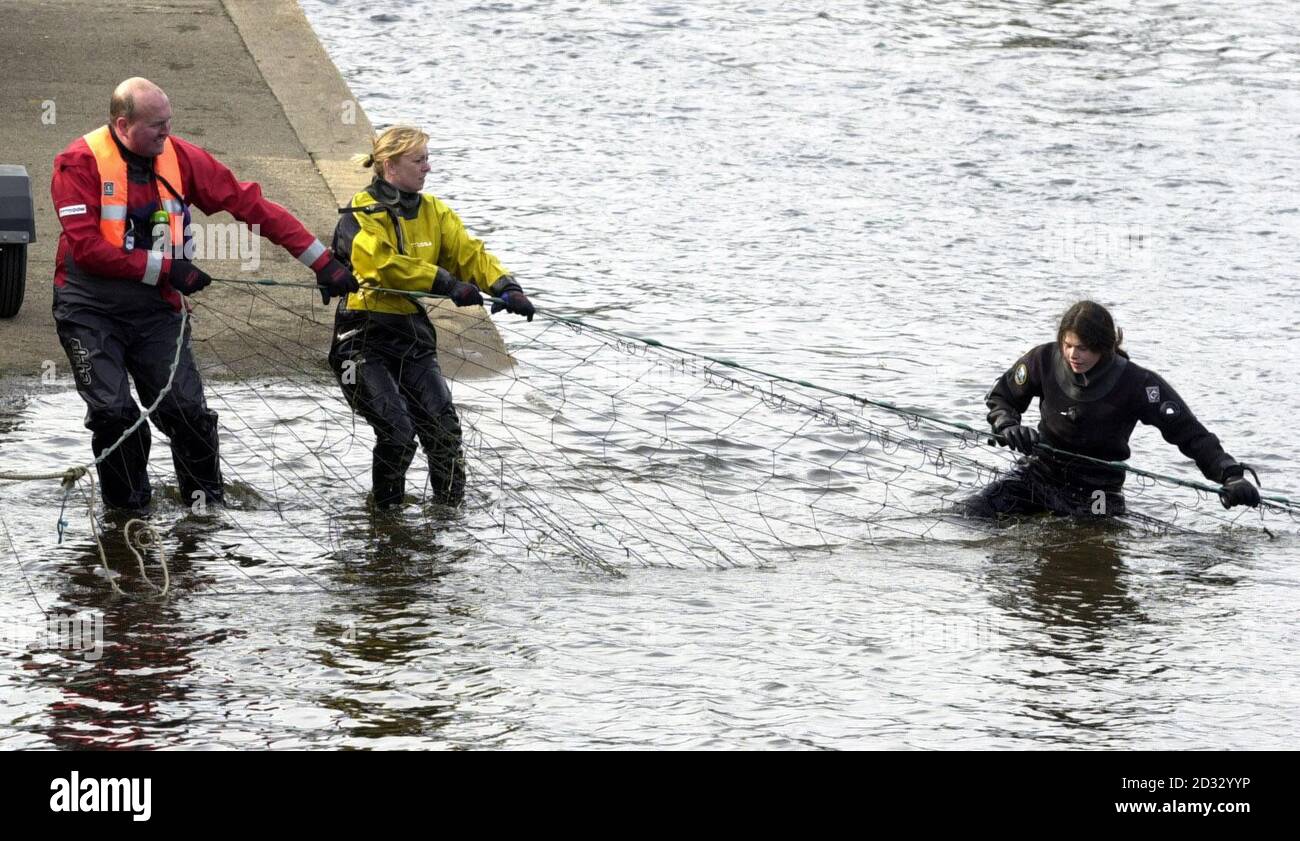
[(1166, 411), (468, 259), (211, 187)]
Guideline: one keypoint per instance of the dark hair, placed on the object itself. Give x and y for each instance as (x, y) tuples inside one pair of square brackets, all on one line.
[(1091, 322)]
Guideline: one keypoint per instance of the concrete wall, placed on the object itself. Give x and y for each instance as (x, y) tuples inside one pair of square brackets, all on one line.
[(248, 81)]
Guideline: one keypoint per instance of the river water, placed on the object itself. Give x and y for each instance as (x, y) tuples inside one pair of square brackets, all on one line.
[(892, 199)]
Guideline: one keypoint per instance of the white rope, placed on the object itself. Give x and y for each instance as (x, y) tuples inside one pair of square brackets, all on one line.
[(151, 538), (72, 474), (134, 542), (139, 535)]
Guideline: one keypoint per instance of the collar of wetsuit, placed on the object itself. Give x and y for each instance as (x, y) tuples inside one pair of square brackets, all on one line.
[(407, 203), (1095, 385), (139, 169), (1096, 373)]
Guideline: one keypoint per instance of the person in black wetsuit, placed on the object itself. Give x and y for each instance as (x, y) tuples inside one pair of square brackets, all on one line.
[(1091, 396)]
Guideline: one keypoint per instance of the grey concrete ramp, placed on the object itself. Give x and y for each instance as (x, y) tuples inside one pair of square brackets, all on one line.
[(249, 81)]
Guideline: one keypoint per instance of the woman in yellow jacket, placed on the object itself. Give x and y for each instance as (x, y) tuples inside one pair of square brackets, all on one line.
[(384, 351)]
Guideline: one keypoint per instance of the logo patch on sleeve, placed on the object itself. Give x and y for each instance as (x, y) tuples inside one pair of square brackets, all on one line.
[(1021, 374), (109, 187), (1153, 394), (1169, 409), (72, 210)]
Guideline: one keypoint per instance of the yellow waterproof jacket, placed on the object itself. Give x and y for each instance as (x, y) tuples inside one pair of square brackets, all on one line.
[(398, 241)]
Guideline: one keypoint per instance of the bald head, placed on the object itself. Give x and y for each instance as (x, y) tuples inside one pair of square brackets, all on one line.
[(141, 115), (134, 93)]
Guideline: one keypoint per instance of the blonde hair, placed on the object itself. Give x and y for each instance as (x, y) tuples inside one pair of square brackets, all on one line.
[(391, 143)]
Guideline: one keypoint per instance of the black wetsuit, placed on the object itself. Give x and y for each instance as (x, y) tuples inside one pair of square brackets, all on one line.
[(387, 365), (1090, 414)]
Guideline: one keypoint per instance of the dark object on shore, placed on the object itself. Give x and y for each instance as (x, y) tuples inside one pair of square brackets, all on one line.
[(17, 230)]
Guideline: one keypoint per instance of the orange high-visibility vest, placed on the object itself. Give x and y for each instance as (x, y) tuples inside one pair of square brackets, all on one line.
[(112, 200)]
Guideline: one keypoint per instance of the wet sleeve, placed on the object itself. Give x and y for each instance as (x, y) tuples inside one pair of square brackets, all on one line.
[(463, 255), (74, 189), (211, 187), (1015, 390), (1162, 408)]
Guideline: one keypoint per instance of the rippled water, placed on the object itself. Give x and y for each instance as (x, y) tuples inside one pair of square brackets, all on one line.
[(895, 199)]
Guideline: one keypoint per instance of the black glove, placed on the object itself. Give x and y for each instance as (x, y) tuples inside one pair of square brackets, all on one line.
[(1237, 489), (187, 278), (466, 294), (1021, 438), (514, 301), (461, 293), (334, 278)]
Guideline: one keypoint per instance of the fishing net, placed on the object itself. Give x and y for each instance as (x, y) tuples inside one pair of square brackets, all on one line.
[(585, 448)]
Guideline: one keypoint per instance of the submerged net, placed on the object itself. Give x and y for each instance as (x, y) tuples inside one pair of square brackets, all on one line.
[(584, 447)]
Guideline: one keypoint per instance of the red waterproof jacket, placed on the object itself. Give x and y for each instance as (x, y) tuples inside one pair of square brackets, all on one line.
[(91, 271)]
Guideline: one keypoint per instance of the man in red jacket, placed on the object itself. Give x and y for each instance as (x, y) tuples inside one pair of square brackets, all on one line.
[(123, 194)]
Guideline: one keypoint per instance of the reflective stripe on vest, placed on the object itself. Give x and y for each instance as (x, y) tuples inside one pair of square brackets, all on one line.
[(113, 186)]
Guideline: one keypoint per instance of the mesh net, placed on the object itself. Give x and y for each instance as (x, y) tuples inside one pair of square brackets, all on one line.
[(584, 447)]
